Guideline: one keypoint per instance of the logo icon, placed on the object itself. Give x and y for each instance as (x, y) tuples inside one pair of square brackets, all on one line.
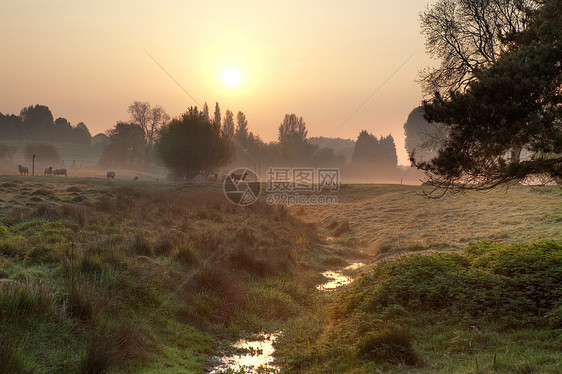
[(241, 186)]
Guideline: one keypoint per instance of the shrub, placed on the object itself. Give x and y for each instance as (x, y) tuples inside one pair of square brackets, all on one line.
[(393, 344)]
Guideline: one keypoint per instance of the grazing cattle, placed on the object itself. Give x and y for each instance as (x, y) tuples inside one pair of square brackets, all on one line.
[(111, 174), (136, 178), (23, 170), (60, 172), (238, 177), (48, 171), (212, 177)]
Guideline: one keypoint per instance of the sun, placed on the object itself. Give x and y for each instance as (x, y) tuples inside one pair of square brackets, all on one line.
[(231, 77)]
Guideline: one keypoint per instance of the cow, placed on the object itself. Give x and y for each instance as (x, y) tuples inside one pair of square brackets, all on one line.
[(111, 174)]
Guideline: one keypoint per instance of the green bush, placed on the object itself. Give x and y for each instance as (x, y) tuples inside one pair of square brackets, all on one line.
[(517, 284), (393, 344)]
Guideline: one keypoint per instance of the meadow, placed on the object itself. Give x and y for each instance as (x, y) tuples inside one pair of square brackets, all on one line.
[(119, 276)]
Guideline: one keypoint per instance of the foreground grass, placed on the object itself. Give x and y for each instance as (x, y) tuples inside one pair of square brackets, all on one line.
[(114, 276), (493, 308), (102, 276)]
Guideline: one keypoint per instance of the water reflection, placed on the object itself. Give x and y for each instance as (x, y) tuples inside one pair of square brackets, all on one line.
[(337, 278), (255, 356)]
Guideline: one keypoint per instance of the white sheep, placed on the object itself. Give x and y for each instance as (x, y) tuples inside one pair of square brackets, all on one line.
[(23, 170), (111, 174), (60, 172)]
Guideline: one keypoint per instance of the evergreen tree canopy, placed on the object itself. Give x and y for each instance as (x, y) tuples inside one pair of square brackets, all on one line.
[(507, 125)]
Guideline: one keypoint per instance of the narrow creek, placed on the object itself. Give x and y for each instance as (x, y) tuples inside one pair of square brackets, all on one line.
[(256, 356)]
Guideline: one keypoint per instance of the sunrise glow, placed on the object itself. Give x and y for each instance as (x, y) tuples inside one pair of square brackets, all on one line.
[(231, 77)]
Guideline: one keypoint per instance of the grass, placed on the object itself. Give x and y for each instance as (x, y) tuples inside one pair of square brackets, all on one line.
[(489, 308), (112, 276), (117, 276), (387, 220)]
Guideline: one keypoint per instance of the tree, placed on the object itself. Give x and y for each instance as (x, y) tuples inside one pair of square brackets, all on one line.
[(422, 137), (101, 138), (293, 143), (206, 110), (11, 127), (37, 122), (241, 134), (126, 145), (150, 120), (228, 124), (141, 115), (378, 153), (327, 157), (191, 144), (81, 134), (507, 126), (217, 117), (468, 36)]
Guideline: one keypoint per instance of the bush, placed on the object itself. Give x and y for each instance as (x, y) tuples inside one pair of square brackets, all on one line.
[(517, 284), (392, 344)]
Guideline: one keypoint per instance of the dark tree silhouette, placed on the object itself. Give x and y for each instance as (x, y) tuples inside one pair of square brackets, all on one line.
[(228, 124), (468, 36), (11, 127), (191, 144), (206, 110), (217, 116), (81, 134), (507, 126), (101, 139), (126, 145), (37, 122), (378, 153), (293, 143), (241, 133)]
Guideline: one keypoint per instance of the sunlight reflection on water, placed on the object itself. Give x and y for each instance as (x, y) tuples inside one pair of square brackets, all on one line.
[(337, 278), (259, 353), (258, 359)]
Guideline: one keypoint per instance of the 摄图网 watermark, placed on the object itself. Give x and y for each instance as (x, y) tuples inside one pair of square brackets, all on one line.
[(288, 186)]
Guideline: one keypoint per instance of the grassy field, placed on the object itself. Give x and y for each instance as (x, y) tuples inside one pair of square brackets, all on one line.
[(386, 219), (449, 288), (104, 275)]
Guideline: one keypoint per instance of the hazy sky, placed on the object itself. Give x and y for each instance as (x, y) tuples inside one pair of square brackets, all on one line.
[(87, 61)]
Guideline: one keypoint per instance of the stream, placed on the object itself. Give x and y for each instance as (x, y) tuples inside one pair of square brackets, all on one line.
[(256, 356)]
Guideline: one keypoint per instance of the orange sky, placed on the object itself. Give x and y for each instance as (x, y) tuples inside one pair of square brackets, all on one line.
[(318, 59)]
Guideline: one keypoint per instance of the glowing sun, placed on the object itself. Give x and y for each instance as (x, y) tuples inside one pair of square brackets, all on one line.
[(231, 77)]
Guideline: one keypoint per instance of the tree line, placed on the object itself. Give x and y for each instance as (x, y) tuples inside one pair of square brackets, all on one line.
[(198, 142), (36, 124)]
